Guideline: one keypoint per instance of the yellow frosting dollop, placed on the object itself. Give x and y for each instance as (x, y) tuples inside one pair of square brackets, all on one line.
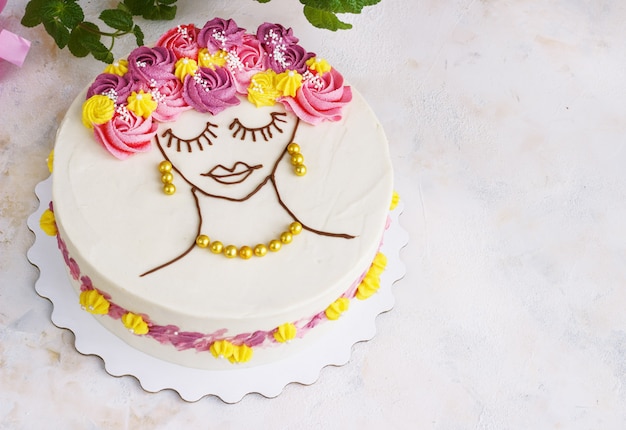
[(135, 323), (368, 286), (285, 332), (335, 309), (97, 109), (262, 89), (94, 302), (379, 264), (241, 354), (371, 281), (206, 59), (288, 82), (47, 223), (50, 160), (395, 199), (222, 348), (318, 65), (141, 104), (184, 67), (117, 68)]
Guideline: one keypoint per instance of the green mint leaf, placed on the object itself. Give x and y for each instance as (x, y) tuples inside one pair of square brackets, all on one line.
[(339, 6), (324, 19), (122, 6), (59, 33), (66, 12), (103, 55), (137, 7), (32, 15), (98, 50), (263, 1), (160, 12), (117, 19), (138, 35), (75, 44), (85, 36), (167, 2)]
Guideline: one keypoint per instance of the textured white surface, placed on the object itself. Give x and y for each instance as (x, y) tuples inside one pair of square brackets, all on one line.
[(507, 134)]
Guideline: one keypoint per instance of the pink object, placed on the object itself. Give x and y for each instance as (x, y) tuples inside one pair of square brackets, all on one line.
[(13, 48)]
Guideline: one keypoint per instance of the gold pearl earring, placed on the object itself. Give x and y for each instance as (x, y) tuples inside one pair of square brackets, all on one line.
[(297, 159), (165, 167)]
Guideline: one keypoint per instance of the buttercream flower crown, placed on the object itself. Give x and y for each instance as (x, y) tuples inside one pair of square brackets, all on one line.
[(205, 69)]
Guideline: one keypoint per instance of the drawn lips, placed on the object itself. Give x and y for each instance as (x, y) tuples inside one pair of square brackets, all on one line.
[(235, 175)]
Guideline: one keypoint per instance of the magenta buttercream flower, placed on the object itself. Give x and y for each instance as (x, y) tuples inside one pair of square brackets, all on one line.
[(126, 134), (288, 57), (182, 40), (151, 67), (171, 102), (210, 90), (271, 35), (116, 87), (319, 98), (220, 34), (249, 59), (281, 46)]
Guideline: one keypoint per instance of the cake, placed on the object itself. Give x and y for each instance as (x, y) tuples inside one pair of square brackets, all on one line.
[(220, 198)]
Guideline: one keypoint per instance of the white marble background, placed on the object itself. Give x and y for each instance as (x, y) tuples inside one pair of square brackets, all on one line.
[(506, 122)]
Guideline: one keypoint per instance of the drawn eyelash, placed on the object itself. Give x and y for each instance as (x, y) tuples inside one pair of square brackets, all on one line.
[(205, 137), (265, 131)]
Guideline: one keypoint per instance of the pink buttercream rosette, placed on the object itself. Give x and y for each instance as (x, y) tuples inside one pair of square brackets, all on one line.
[(227, 58)]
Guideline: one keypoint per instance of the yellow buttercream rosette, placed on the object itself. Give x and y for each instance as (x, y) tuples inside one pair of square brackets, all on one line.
[(222, 348), (285, 332), (141, 104), (97, 109), (47, 223), (318, 65), (241, 354), (262, 90), (335, 309), (117, 68), (135, 323), (206, 59), (94, 302), (184, 67), (288, 83)]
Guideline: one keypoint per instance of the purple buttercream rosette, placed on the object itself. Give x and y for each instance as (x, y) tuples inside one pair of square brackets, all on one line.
[(210, 90)]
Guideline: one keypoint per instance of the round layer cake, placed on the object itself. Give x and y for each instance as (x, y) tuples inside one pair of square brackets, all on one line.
[(221, 195)]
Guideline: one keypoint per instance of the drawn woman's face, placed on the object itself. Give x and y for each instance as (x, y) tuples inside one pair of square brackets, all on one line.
[(231, 154)]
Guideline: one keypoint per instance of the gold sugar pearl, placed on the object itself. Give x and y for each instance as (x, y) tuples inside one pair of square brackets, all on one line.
[(203, 241), (169, 189), (300, 170), (297, 159), (286, 237), (167, 178), (231, 251), (295, 228), (275, 245), (165, 166), (216, 247), (245, 252), (260, 250), (293, 148)]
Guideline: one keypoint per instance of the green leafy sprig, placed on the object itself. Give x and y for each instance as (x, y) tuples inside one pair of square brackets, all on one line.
[(64, 20)]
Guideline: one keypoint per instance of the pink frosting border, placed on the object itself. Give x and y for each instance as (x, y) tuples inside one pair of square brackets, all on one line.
[(201, 342)]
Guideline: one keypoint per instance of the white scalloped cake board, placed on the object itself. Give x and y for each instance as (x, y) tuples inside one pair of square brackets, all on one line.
[(269, 380)]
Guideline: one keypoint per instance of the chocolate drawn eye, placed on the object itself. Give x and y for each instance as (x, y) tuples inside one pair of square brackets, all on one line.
[(265, 131), (200, 140)]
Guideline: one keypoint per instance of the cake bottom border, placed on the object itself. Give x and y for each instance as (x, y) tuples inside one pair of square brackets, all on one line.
[(154, 375)]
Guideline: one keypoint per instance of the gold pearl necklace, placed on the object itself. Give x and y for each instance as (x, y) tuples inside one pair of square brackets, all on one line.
[(246, 252)]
